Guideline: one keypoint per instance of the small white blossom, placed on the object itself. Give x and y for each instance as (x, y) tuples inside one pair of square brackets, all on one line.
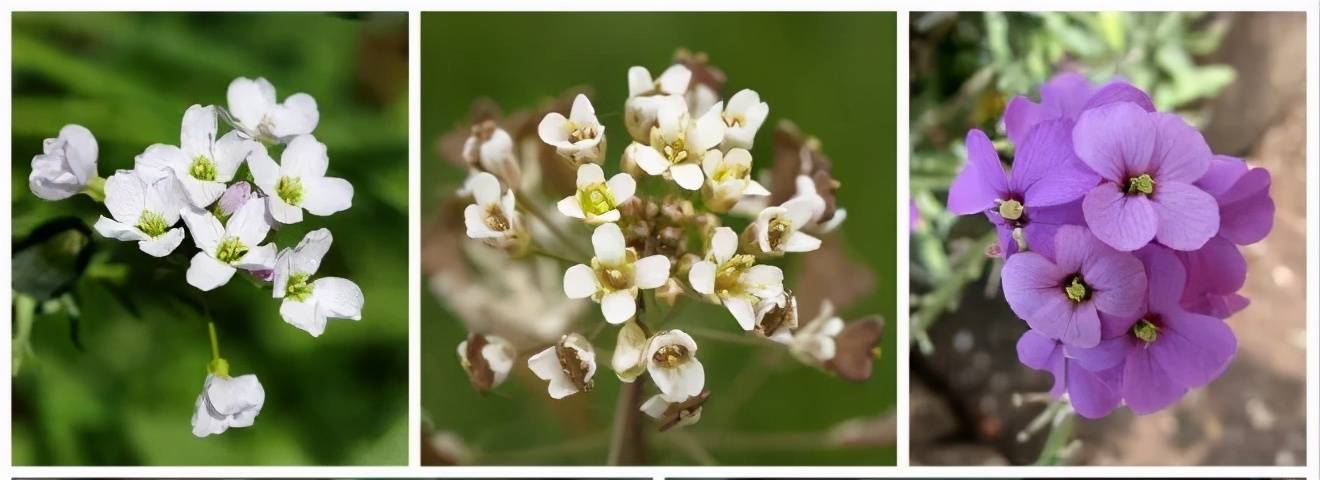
[(728, 179), (143, 212), (645, 97), (777, 317), (493, 217), (203, 164), (66, 165), (580, 138), (568, 365), (496, 357), (734, 279), (814, 343), (806, 192), (298, 182), (679, 414), (253, 107), (490, 149), (671, 359), (309, 304), (615, 275), (743, 117), (596, 201), (629, 353), (778, 229), (225, 248), (226, 403), (679, 143)]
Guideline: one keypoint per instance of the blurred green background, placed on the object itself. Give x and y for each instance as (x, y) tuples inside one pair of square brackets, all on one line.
[(116, 385), (831, 74)]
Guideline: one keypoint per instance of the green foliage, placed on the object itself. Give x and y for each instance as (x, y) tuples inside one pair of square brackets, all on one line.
[(832, 74), (118, 386)]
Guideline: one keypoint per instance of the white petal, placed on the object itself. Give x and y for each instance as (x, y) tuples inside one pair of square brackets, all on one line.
[(338, 298), (655, 407), (205, 229), (755, 188), (206, 272), (687, 175), (545, 365), (579, 281), (629, 352), (764, 281), (691, 380), (610, 216), (622, 186), (326, 195), (201, 193), (702, 277), (306, 257), (651, 272), (198, 132), (164, 244), (125, 196), (265, 172), (258, 258), (304, 157), (589, 174), (711, 162), (282, 271), (249, 100), (649, 160), (296, 116), (80, 151), (553, 129), (801, 242), (582, 112), (229, 153), (609, 244), (229, 396), (303, 315), (675, 79), (799, 211), (165, 196), (639, 81), (709, 131), (485, 188), (119, 231), (283, 212), (569, 206), (742, 311), (618, 306), (476, 224), (743, 100), (157, 161), (249, 222), (723, 244)]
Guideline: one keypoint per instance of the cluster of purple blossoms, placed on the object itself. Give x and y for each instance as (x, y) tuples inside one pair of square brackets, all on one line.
[(1120, 230)]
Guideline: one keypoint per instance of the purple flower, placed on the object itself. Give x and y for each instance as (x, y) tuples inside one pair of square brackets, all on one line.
[(1066, 96), (1215, 273), (1034, 199), (1246, 211), (1148, 163), (1092, 394), (1063, 297), (235, 196), (1166, 350)]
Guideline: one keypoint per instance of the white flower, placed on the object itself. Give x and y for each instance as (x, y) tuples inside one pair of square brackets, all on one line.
[(679, 143), (299, 181), (489, 362), (806, 192), (66, 165), (673, 414), (227, 402), (615, 275), (744, 116), (143, 212), (777, 317), (778, 229), (580, 138), (490, 149), (814, 343), (734, 279), (728, 179), (629, 352), (645, 96), (569, 365), (308, 304), (224, 248), (493, 217), (202, 163), (671, 359), (596, 200), (253, 107)]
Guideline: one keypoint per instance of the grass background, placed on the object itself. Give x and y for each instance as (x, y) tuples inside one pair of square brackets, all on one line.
[(124, 395), (832, 74)]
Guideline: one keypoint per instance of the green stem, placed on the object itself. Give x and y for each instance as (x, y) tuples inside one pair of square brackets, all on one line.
[(555, 256), (215, 343), (218, 366), (521, 200), (96, 189)]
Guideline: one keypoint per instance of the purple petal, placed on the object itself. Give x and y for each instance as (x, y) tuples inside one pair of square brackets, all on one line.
[(1072, 246), (1032, 286), (1117, 325), (1105, 355), (1188, 217), (1019, 116), (1217, 268), (1045, 169), (1193, 349), (1064, 95), (1117, 92), (1121, 221), (1224, 171), (1043, 353), (1146, 386), (1094, 394), (1166, 276), (1246, 211), (1118, 282), (1115, 140), (980, 183), (1181, 154)]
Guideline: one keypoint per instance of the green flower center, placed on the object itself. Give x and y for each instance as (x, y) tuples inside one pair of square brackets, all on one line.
[(1011, 209), (778, 231), (730, 171), (728, 276), (580, 132), (675, 151), (1146, 330), (152, 223), (670, 356), (290, 190), (298, 288), (615, 277), (1141, 184), (231, 250), (1076, 289), (596, 199), (202, 168)]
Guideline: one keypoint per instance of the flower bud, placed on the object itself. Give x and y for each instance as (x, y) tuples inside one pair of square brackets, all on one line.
[(487, 360), (66, 166), (490, 149), (628, 360)]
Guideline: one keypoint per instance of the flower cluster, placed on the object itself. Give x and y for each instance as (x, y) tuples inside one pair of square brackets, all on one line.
[(1121, 232), (657, 237), (227, 214)]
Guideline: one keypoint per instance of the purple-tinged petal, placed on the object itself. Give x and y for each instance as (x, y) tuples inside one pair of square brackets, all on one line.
[(1246, 211), (1064, 95), (1188, 217), (1040, 352), (1224, 171), (1180, 154), (1193, 349), (982, 181), (1147, 387), (1117, 281), (1094, 394), (1072, 246), (1217, 268), (1115, 140), (1117, 92), (1105, 355), (1166, 276), (1117, 325), (1032, 286), (1045, 170), (1019, 116), (1007, 245), (1121, 221)]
